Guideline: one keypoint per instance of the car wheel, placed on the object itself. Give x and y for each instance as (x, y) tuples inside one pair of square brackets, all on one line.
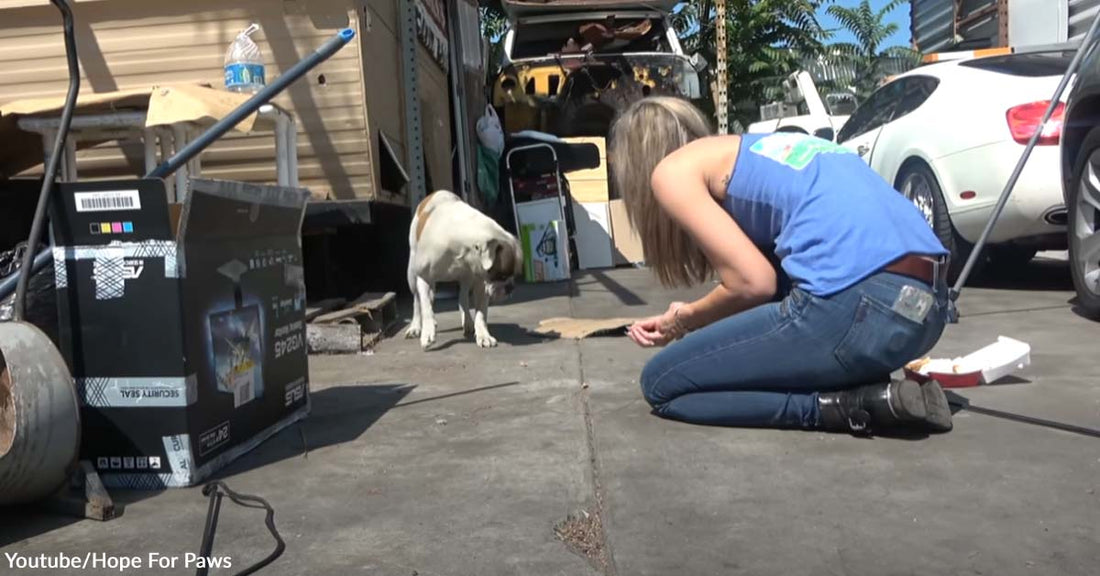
[(1084, 225), (917, 183), (1009, 257)]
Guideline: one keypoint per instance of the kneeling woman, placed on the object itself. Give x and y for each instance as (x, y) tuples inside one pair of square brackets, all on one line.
[(810, 343)]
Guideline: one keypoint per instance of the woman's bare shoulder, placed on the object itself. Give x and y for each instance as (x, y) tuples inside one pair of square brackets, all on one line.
[(720, 159)]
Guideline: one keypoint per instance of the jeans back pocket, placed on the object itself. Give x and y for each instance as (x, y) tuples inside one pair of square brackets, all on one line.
[(879, 340)]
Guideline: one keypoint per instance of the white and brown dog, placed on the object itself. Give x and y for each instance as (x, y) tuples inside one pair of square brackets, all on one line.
[(450, 241)]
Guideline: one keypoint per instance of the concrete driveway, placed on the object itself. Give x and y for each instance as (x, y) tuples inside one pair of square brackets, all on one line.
[(540, 457)]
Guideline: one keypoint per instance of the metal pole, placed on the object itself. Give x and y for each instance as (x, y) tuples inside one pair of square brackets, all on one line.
[(721, 81), (253, 104), (282, 143), (414, 143), (212, 513), (38, 224), (1086, 45)]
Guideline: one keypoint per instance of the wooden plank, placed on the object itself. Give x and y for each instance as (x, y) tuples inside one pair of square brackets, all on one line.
[(93, 502), (100, 506), (334, 338), (324, 306)]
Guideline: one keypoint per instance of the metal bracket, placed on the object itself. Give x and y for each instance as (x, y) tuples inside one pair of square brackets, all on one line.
[(414, 133), (721, 69)]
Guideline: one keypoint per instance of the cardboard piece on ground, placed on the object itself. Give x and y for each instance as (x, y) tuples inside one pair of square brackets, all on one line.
[(580, 328)]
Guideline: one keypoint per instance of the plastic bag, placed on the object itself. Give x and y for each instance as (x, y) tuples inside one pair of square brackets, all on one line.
[(489, 131), (488, 174)]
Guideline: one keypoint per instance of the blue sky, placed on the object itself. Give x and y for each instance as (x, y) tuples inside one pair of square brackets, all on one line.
[(899, 16)]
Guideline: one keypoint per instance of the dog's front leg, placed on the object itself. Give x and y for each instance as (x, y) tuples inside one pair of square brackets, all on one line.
[(413, 331), (464, 309), (481, 317), (426, 294)]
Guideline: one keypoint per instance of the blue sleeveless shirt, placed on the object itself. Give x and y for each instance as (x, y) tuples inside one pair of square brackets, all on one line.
[(827, 216)]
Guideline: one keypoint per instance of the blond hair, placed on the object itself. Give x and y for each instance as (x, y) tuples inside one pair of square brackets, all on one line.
[(643, 135)]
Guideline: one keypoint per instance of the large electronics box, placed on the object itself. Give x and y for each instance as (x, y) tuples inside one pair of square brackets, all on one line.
[(184, 325)]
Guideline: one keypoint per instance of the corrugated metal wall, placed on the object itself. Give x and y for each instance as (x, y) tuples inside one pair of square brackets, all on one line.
[(978, 24), (1081, 14), (932, 23), (135, 43)]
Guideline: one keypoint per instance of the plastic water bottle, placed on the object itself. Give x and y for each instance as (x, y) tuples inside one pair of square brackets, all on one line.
[(244, 63)]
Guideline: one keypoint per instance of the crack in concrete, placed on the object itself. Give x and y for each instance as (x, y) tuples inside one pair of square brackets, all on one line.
[(605, 560)]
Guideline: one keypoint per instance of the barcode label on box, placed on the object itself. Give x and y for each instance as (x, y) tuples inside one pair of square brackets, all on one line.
[(243, 394), (107, 201)]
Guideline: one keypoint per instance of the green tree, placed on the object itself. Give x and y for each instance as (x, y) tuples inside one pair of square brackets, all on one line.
[(766, 41), (866, 56), (493, 23)]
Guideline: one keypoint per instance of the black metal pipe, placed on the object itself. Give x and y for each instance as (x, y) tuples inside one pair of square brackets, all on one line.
[(199, 144), (253, 104), (39, 222), (8, 284), (207, 546)]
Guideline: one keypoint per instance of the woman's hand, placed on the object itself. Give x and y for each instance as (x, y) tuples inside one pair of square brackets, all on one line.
[(656, 330)]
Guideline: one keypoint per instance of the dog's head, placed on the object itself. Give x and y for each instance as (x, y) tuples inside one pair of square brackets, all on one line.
[(502, 260)]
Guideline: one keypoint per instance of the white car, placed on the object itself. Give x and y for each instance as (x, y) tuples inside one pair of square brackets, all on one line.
[(812, 114), (948, 136)]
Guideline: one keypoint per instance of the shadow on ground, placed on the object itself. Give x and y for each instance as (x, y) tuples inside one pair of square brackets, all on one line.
[(506, 335), (339, 414), (1039, 275), (22, 522)]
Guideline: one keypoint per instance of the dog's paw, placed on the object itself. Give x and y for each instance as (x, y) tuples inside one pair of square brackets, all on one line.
[(468, 329), (486, 341), (413, 331), (427, 337)]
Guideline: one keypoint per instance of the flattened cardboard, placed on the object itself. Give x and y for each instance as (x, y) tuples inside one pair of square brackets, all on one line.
[(581, 328)]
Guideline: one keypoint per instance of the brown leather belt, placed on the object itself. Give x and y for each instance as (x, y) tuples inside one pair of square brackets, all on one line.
[(913, 266)]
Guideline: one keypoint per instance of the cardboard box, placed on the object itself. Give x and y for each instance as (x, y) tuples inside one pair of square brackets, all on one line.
[(590, 185), (593, 236), (544, 240), (188, 350), (628, 246)]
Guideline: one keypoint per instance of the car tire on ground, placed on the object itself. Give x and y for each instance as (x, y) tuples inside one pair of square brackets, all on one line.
[(1083, 201), (917, 183)]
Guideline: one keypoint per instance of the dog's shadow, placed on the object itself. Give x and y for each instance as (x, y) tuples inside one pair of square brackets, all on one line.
[(507, 334)]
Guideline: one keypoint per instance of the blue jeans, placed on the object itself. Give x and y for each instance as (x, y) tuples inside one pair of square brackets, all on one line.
[(765, 367)]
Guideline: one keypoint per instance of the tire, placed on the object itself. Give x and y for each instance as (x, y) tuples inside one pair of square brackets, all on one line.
[(1083, 227), (919, 185)]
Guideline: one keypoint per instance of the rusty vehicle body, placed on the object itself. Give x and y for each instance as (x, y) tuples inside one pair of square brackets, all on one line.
[(571, 66)]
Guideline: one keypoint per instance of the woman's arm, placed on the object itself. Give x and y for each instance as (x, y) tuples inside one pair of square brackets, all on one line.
[(685, 184)]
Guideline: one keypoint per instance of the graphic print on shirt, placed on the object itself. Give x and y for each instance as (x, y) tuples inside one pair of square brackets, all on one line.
[(795, 150)]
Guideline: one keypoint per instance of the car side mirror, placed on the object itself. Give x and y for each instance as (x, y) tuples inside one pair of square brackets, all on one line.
[(698, 62), (825, 133)]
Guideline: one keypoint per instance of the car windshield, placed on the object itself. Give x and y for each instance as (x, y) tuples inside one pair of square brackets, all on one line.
[(605, 36), (1029, 65)]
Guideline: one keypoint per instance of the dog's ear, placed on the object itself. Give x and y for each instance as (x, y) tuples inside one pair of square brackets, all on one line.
[(488, 254)]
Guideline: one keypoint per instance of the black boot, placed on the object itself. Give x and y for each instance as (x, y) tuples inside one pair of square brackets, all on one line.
[(892, 405), (935, 403)]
